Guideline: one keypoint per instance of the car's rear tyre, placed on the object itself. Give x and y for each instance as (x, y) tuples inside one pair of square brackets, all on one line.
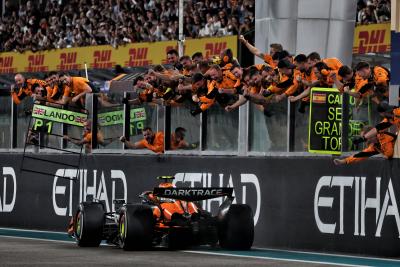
[(236, 228), (135, 227), (88, 224)]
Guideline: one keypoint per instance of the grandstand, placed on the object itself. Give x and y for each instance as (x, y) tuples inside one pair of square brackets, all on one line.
[(46, 25), (266, 97)]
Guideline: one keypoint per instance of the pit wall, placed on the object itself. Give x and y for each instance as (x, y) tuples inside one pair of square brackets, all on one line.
[(298, 202)]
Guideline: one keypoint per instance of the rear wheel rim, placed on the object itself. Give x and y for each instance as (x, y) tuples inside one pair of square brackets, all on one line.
[(122, 227), (79, 224)]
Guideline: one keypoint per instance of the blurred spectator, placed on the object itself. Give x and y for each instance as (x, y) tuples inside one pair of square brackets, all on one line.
[(74, 23), (373, 11)]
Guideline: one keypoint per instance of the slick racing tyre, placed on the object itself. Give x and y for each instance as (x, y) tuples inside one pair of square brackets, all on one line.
[(236, 228), (89, 222), (135, 227)]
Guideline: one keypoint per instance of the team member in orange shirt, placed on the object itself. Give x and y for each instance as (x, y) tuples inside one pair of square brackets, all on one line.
[(345, 80), (215, 85), (382, 143), (391, 117), (225, 81), (333, 63), (324, 74), (288, 81), (173, 58), (178, 139), (152, 141), (86, 138), (57, 88), (372, 81), (77, 88), (266, 57), (204, 93), (24, 87), (306, 79), (187, 64)]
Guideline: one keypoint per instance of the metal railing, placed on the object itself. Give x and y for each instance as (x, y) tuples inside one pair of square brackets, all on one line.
[(247, 131)]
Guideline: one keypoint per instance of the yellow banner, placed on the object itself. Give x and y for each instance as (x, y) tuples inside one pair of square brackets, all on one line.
[(105, 56), (373, 38)]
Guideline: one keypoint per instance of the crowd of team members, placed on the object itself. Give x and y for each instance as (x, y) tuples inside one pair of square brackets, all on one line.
[(203, 82), (221, 80), (56, 88)]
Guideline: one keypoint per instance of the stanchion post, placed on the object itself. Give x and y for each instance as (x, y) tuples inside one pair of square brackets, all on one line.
[(345, 122)]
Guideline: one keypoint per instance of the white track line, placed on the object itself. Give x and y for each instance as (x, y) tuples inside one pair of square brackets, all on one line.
[(200, 252), (329, 254), (39, 239), (27, 230), (272, 258)]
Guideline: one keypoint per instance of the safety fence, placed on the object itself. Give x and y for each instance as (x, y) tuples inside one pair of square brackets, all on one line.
[(249, 130)]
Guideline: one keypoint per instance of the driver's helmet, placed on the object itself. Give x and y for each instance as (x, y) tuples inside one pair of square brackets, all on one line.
[(166, 185), (166, 181)]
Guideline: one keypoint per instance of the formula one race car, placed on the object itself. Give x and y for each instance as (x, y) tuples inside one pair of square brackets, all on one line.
[(167, 216)]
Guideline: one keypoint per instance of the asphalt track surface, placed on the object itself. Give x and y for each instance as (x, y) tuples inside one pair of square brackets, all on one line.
[(36, 248), (22, 252)]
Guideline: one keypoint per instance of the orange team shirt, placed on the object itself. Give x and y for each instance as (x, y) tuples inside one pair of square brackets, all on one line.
[(396, 119), (158, 143), (370, 151), (56, 93), (229, 81), (175, 146), (365, 86), (386, 123), (333, 63), (287, 84), (208, 100), (385, 146), (259, 67), (26, 91), (88, 137), (327, 80), (227, 66), (254, 89), (308, 76), (268, 59), (351, 84), (49, 93), (78, 86)]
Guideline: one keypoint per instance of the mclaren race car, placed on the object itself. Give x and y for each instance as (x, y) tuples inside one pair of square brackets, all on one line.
[(166, 216)]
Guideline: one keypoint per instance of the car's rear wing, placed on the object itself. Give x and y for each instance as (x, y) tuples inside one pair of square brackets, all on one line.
[(193, 194)]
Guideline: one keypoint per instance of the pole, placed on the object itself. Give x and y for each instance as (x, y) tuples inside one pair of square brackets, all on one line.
[(87, 76), (14, 124), (127, 117), (167, 128), (181, 38), (345, 122), (291, 126)]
